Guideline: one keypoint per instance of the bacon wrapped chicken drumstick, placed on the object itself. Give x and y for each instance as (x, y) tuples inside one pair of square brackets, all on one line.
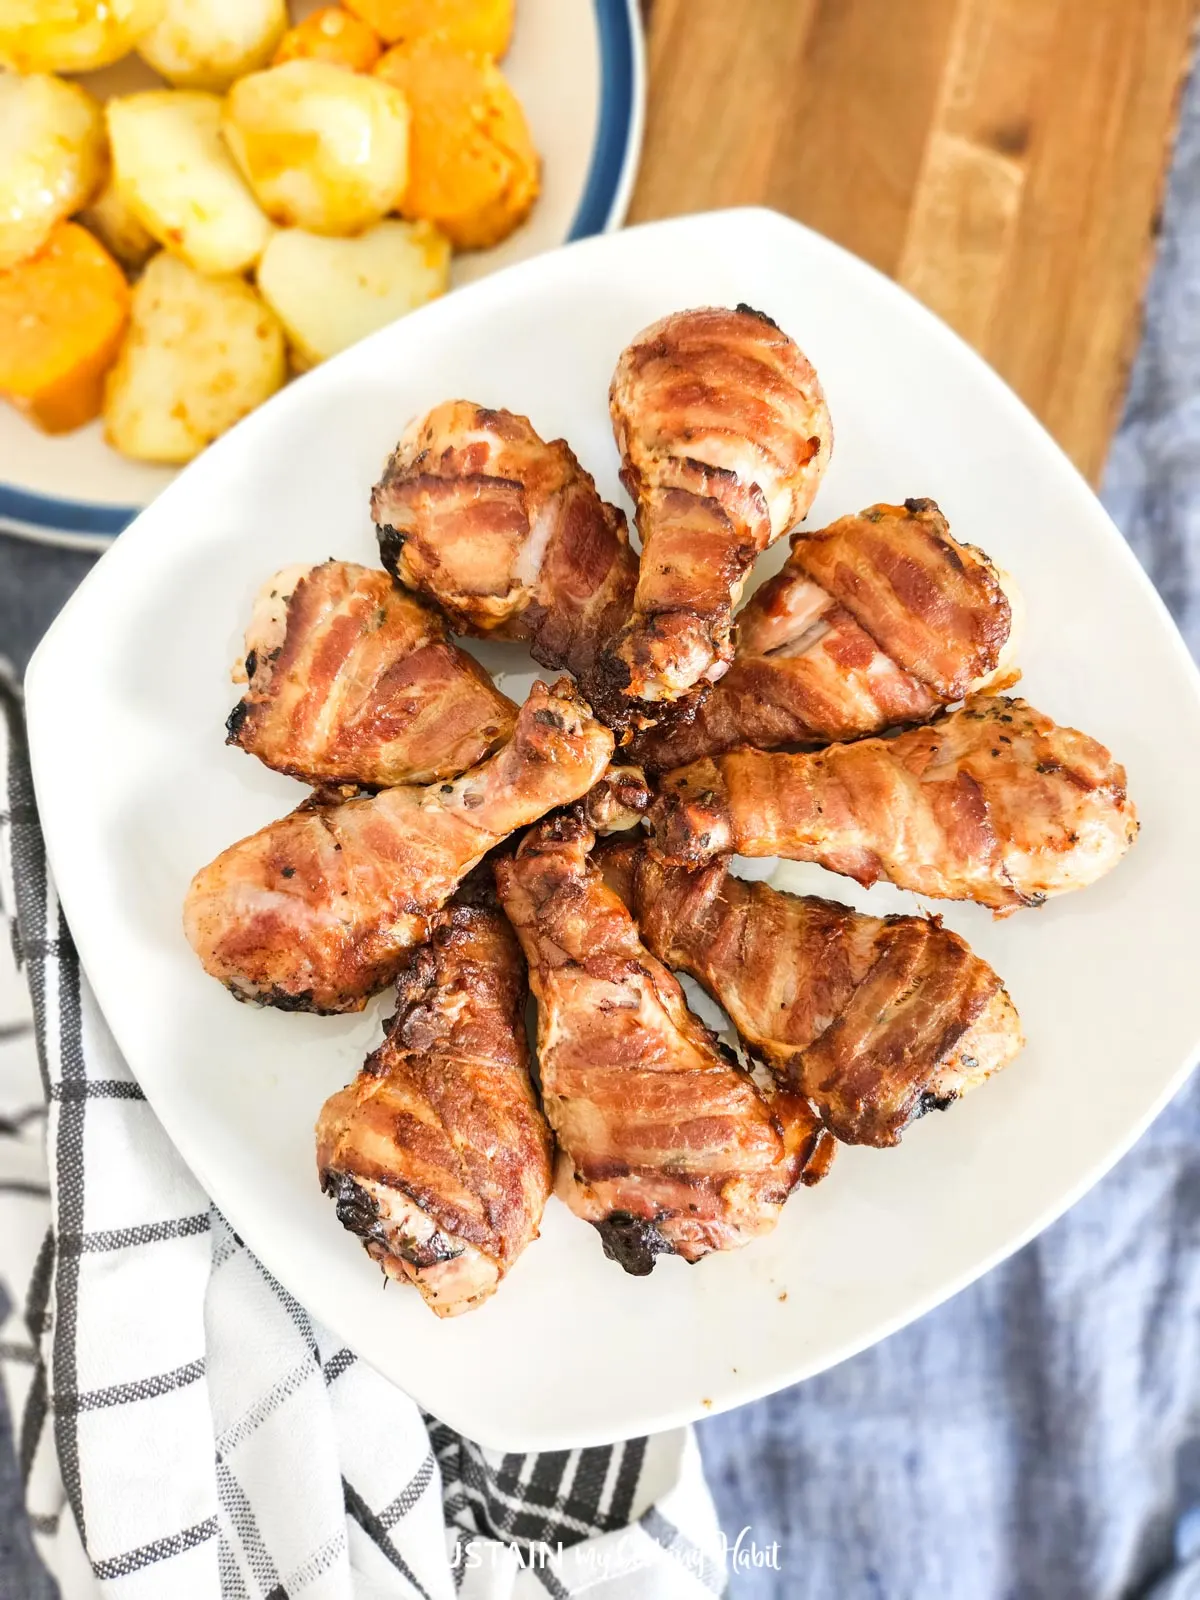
[(315, 912), (506, 532), (665, 1144), (874, 1019), (352, 681), (437, 1155), (878, 620), (724, 436), (992, 802)]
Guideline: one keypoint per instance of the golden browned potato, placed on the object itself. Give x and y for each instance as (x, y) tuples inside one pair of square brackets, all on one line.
[(322, 148), (333, 35), (62, 314), (51, 158), (473, 167), (480, 27), (117, 227), (174, 171), (200, 353), (329, 293), (206, 44), (71, 35)]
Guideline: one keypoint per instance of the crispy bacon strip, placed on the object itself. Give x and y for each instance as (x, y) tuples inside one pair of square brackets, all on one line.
[(724, 436), (315, 912), (353, 681), (665, 1144), (936, 606), (878, 620), (876, 1020), (437, 1155), (992, 803), (506, 532)]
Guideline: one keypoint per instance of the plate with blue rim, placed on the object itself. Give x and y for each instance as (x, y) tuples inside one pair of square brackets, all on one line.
[(577, 66)]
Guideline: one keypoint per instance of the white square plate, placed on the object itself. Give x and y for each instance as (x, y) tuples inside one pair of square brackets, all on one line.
[(127, 698)]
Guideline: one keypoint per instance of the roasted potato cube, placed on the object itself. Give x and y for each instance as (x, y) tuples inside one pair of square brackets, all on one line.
[(62, 313), (172, 168), (200, 353), (51, 158), (71, 35), (110, 218), (332, 35), (206, 44), (329, 293), (322, 148), (480, 27), (473, 169)]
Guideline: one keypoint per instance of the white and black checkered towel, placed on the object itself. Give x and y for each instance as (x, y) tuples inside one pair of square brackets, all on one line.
[(184, 1428)]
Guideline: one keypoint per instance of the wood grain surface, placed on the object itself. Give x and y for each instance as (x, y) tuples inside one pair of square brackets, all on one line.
[(1003, 159)]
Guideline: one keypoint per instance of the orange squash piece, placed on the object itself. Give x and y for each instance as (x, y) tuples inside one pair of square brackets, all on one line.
[(62, 314), (480, 27), (332, 35), (472, 166)]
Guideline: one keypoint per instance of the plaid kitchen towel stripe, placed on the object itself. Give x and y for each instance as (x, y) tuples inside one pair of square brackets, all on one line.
[(184, 1427)]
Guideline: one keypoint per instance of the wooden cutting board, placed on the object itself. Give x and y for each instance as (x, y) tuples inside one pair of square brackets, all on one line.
[(1003, 159)]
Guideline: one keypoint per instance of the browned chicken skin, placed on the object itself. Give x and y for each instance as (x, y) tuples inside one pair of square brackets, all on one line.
[(665, 1144), (315, 912), (724, 436), (618, 802), (506, 532), (437, 1155), (992, 803), (876, 1020), (878, 620), (353, 681)]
